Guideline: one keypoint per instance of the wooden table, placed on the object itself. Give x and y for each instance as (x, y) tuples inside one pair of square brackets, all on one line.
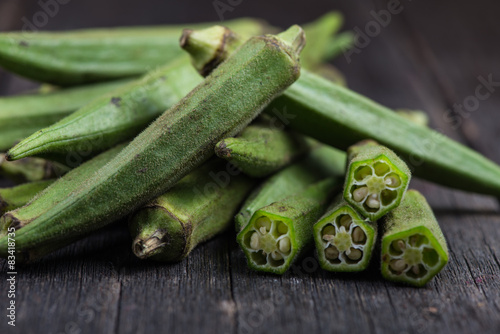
[(428, 57)]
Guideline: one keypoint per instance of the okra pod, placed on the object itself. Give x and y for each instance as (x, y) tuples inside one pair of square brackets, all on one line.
[(193, 211), (261, 150), (340, 117), (416, 116), (340, 44), (376, 179), (177, 142), (18, 196), (30, 169), (281, 232), (22, 115), (413, 246), (57, 192), (344, 239), (321, 163), (84, 56)]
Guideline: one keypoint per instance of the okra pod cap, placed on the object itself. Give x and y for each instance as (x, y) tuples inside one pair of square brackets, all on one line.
[(376, 179), (344, 239), (414, 249)]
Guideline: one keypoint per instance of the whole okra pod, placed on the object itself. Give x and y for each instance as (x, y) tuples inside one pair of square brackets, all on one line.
[(376, 179), (172, 146), (57, 192), (340, 117), (30, 169), (18, 196), (191, 212), (344, 239), (413, 246), (22, 115), (83, 56), (321, 163), (281, 232), (261, 150)]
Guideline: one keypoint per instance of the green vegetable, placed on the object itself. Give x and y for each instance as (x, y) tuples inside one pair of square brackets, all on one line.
[(57, 192), (344, 239), (21, 115), (321, 163), (416, 116), (340, 117), (261, 150), (376, 179), (83, 56), (18, 196), (281, 232), (340, 44), (176, 143), (193, 211), (413, 246), (30, 169)]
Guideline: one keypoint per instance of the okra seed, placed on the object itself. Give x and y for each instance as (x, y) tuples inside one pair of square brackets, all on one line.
[(331, 253), (263, 230), (362, 172), (415, 269), (282, 228), (358, 236), (381, 168), (328, 237), (284, 245), (373, 201), (254, 241), (345, 221), (264, 222), (328, 232), (276, 256), (398, 265), (392, 180), (360, 193), (399, 245), (354, 254)]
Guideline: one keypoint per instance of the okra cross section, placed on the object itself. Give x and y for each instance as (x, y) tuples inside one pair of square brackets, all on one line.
[(376, 179), (413, 246), (344, 240)]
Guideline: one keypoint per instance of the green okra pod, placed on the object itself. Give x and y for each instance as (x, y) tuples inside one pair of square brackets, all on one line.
[(281, 232), (177, 142), (340, 117), (414, 249), (56, 192), (416, 116), (341, 43), (344, 239), (84, 56), (18, 196), (376, 179), (261, 150), (321, 163), (191, 212), (30, 169)]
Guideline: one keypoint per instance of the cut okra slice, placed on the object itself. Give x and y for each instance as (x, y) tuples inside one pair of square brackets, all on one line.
[(376, 179), (344, 240), (279, 233), (413, 246)]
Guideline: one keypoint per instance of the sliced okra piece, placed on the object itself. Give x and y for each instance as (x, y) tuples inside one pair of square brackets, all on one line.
[(172, 225), (344, 239), (261, 150), (18, 196), (281, 232), (376, 179), (31, 169), (414, 249)]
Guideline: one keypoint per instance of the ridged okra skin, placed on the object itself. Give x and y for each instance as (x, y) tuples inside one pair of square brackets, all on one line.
[(30, 169), (112, 118), (376, 179), (321, 163), (18, 196), (22, 115), (414, 249), (92, 55), (56, 192), (344, 239), (281, 232), (176, 143), (261, 150), (193, 211)]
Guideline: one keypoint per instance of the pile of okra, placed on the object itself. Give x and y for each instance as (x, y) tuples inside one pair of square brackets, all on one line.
[(180, 131)]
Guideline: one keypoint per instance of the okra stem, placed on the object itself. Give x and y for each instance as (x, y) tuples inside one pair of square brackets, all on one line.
[(18, 196), (376, 179), (344, 239), (31, 169), (172, 225), (261, 150), (281, 232), (413, 246)]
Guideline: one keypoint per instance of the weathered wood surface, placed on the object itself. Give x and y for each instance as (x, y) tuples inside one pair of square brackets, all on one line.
[(428, 57)]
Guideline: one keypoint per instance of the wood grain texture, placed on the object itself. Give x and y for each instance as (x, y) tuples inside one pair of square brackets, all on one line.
[(429, 57)]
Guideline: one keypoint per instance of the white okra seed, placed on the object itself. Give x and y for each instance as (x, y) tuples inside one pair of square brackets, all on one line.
[(263, 230), (398, 265), (415, 269), (254, 241), (359, 194), (284, 245), (276, 256), (373, 201)]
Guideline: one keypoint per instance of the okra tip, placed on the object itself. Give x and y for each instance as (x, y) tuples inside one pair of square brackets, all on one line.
[(294, 37)]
